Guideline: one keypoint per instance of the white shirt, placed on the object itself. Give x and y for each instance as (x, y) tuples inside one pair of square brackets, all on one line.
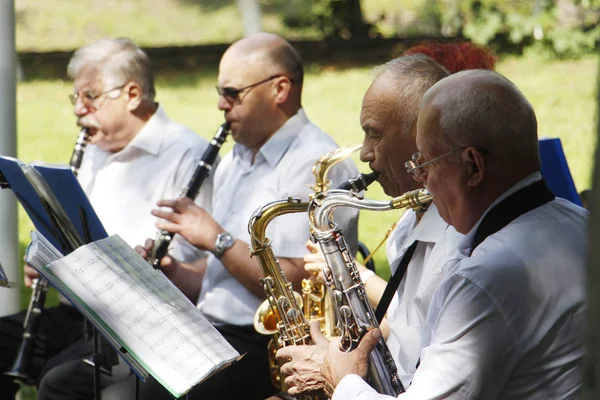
[(282, 168), (437, 250), (507, 322), (157, 164)]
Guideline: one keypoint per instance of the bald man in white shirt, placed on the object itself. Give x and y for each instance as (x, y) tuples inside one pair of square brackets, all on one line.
[(507, 321), (260, 85)]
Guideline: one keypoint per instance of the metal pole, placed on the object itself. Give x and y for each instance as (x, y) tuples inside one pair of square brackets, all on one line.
[(251, 15), (591, 370), (9, 239)]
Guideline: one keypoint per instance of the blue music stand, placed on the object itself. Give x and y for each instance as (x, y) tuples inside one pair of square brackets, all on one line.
[(555, 170)]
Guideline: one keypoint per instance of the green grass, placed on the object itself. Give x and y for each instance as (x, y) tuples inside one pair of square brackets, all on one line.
[(561, 92)]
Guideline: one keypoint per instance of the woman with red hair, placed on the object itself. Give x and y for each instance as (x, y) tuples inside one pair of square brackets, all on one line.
[(456, 56)]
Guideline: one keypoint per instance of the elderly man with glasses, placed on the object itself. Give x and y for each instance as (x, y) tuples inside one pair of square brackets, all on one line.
[(259, 85), (507, 320), (135, 156)]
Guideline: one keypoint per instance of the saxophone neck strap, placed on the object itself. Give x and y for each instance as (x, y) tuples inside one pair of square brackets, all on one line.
[(394, 282), (511, 208)]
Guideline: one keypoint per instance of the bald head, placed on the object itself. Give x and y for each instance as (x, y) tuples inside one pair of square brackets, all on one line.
[(485, 110), (268, 53)]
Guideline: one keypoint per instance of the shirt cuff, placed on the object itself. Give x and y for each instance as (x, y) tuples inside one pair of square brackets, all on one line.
[(351, 387)]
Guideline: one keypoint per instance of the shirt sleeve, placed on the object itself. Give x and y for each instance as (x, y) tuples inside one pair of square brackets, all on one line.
[(353, 387), (471, 346)]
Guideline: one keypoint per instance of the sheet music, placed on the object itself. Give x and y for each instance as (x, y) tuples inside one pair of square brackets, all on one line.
[(164, 331)]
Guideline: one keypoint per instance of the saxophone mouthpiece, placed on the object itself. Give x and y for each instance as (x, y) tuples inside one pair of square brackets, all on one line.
[(359, 182)]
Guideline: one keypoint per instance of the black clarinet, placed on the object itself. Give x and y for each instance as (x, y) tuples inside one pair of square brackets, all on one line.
[(359, 183), (78, 150), (21, 369), (163, 240)]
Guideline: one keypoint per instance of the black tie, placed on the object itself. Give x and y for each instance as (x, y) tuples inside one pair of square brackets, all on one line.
[(393, 284)]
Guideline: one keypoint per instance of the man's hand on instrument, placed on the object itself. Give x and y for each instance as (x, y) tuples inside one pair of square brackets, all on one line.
[(314, 262), (337, 364), (167, 263), (190, 221), (301, 365), (29, 275)]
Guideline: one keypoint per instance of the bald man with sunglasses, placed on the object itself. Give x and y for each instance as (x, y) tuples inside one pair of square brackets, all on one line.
[(259, 86)]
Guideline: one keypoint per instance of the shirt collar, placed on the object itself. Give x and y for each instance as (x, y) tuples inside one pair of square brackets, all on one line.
[(465, 245), (150, 137), (428, 228), (276, 146)]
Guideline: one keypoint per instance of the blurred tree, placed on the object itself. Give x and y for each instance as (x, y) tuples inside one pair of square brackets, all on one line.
[(333, 18), (565, 27)]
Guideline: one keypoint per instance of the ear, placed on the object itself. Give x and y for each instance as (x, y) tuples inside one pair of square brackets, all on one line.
[(133, 91), (475, 166), (282, 89)]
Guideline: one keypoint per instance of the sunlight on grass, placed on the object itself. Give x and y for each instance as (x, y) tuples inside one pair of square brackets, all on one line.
[(43, 25)]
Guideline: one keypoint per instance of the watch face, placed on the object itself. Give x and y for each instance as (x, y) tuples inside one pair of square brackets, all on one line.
[(225, 241)]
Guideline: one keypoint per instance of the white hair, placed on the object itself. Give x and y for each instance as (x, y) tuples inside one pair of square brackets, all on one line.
[(118, 61), (412, 76)]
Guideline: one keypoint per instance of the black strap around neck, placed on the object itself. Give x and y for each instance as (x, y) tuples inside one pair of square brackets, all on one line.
[(393, 284), (512, 207)]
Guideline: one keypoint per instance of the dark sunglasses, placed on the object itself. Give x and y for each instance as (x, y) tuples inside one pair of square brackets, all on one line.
[(233, 94)]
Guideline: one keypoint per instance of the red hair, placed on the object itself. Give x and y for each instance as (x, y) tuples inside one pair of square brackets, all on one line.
[(456, 56)]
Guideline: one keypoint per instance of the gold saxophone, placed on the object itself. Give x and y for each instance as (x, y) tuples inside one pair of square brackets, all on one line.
[(281, 315), (286, 314)]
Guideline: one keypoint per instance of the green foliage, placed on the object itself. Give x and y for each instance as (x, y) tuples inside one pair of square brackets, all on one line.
[(563, 29), (332, 18)]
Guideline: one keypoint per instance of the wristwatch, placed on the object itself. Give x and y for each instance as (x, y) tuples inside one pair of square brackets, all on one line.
[(222, 244)]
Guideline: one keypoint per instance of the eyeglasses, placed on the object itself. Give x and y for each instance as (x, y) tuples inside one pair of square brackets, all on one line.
[(414, 165), (232, 94), (88, 98)]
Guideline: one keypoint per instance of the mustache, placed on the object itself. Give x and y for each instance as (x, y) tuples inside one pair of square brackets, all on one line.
[(88, 122)]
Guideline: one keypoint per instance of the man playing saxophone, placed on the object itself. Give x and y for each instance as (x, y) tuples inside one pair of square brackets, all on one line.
[(390, 133), (259, 85), (136, 155), (507, 320)]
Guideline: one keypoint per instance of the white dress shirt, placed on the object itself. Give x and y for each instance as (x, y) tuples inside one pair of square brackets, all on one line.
[(506, 322), (437, 250), (157, 164), (282, 168)]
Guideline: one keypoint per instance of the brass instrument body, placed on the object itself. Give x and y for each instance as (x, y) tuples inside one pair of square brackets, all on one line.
[(285, 305), (317, 302), (286, 314), (343, 279), (281, 315), (324, 164)]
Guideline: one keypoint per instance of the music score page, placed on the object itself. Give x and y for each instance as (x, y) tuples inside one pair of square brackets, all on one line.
[(154, 321)]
